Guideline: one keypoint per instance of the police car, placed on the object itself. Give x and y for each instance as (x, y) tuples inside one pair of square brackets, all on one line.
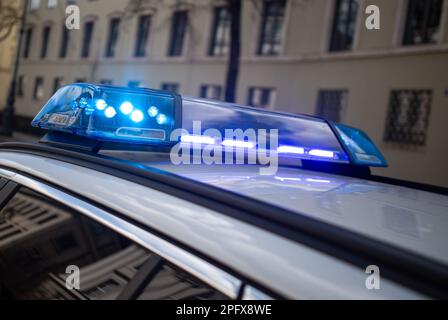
[(145, 194)]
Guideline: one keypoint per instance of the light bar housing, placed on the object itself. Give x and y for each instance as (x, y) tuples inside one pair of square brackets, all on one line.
[(149, 117), (106, 113)]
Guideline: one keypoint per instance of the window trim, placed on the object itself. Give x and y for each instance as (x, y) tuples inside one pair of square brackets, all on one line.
[(333, 25), (146, 46), (213, 276), (261, 30), (406, 25), (213, 33), (176, 19)]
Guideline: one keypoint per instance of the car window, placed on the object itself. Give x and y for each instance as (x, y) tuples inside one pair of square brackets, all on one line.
[(174, 284), (48, 251)]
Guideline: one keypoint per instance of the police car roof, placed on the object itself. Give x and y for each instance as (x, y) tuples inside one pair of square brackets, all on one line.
[(412, 219), (352, 219)]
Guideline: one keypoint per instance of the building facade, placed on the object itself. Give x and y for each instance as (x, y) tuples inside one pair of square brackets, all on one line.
[(8, 44), (299, 56)]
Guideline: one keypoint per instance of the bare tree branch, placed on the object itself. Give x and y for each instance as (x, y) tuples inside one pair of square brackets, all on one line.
[(9, 17)]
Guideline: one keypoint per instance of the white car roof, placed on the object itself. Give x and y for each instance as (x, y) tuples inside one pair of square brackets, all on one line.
[(412, 219), (294, 270)]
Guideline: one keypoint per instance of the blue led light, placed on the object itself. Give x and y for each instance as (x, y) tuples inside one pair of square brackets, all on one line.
[(137, 116), (161, 119), (126, 107), (153, 111), (110, 112), (238, 144), (321, 153), (292, 150), (197, 139), (101, 104), (113, 114)]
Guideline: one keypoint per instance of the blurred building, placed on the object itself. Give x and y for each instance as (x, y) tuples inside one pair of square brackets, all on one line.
[(8, 45), (301, 56)]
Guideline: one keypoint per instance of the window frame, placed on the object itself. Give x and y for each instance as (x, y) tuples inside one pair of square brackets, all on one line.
[(141, 41), (65, 42), (86, 46), (333, 46), (113, 37), (28, 40), (223, 44), (263, 31), (178, 33), (272, 91), (343, 102), (38, 81), (46, 34), (392, 117), (406, 23)]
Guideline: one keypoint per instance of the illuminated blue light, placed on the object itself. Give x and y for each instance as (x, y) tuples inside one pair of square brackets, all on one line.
[(238, 144), (110, 112), (321, 153), (318, 180), (287, 179), (153, 111), (101, 104), (292, 150), (161, 119), (198, 139), (126, 107), (137, 116)]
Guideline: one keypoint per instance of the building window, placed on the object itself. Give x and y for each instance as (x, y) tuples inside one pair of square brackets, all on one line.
[(423, 22), (211, 92), (134, 84), (87, 39), (38, 92), (344, 25), (21, 86), (330, 104), (114, 26), (142, 36), (178, 29), (106, 82), (220, 40), (272, 27), (408, 117), (52, 3), (58, 83), (170, 86), (27, 44), (64, 42), (45, 38), (34, 4), (261, 97)]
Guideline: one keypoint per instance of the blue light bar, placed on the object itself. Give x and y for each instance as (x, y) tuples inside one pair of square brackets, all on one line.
[(301, 137), (144, 116), (112, 114)]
